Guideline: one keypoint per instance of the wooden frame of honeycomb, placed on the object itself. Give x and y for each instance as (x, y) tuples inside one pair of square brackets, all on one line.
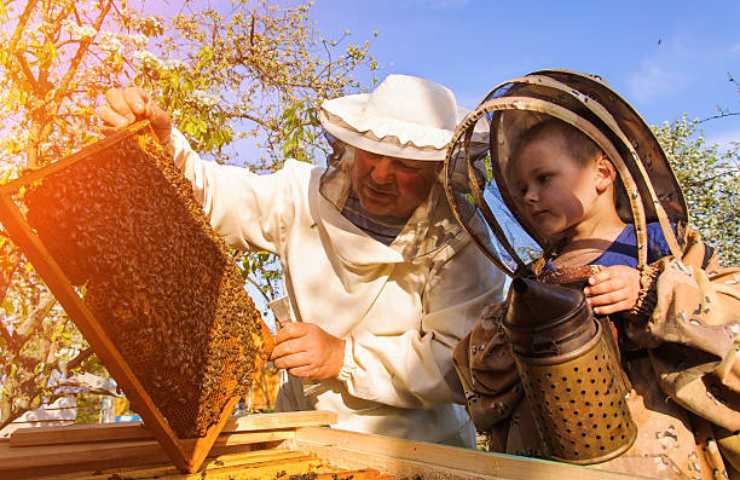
[(164, 307)]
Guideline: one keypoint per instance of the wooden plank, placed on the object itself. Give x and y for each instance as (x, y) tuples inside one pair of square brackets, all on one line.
[(295, 464), (56, 459), (364, 474), (101, 432), (268, 421), (268, 471), (26, 437), (141, 452), (407, 458), (243, 458), (81, 453), (259, 470), (248, 458), (245, 438)]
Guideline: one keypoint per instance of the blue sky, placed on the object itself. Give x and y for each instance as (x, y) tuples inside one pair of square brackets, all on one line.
[(667, 58)]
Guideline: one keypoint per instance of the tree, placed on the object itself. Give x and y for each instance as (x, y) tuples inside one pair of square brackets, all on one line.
[(252, 72), (710, 180)]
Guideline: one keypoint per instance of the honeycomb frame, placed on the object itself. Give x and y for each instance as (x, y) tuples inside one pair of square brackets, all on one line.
[(62, 269)]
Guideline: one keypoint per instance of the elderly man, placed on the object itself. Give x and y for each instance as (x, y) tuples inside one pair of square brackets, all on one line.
[(382, 283)]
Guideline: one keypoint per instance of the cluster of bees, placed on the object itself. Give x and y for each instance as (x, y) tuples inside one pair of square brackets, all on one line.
[(125, 227)]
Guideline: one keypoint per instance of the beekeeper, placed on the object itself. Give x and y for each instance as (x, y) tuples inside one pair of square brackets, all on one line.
[(381, 281)]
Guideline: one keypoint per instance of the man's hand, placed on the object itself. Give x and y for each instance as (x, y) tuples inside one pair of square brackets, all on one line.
[(124, 106), (308, 351), (614, 289)]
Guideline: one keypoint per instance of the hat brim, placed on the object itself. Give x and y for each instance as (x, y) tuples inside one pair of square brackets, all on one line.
[(343, 118), (390, 147)]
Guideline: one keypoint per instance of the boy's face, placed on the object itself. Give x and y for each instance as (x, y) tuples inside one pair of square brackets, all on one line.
[(556, 191)]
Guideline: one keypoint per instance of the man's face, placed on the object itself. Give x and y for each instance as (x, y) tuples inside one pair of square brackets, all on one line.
[(389, 186)]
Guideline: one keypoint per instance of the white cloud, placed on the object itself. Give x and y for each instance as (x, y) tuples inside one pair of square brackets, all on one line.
[(664, 70), (653, 80), (735, 49)]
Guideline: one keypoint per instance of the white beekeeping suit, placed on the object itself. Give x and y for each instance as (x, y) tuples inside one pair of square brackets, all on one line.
[(401, 308)]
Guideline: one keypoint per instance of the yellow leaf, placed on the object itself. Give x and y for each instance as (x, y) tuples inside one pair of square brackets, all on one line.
[(6, 177)]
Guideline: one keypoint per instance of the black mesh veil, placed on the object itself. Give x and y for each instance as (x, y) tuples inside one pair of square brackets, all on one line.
[(476, 187)]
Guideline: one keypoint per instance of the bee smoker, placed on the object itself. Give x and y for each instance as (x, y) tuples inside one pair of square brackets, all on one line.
[(571, 377)]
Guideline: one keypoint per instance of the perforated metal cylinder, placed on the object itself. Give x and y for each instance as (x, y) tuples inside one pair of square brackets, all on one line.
[(578, 402), (571, 375)]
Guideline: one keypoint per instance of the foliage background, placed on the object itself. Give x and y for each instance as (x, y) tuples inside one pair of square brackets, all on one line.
[(710, 179)]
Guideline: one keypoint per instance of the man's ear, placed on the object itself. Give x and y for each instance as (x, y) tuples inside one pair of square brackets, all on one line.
[(606, 174), (338, 149)]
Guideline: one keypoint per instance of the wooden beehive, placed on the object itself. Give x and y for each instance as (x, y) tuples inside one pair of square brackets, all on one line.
[(163, 305), (289, 446)]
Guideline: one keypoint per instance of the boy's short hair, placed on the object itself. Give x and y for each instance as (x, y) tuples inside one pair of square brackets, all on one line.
[(578, 143), (584, 150)]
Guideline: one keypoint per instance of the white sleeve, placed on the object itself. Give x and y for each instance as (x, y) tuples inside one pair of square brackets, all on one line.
[(248, 210), (415, 369)]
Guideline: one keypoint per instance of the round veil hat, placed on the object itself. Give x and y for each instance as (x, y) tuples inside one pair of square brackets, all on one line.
[(405, 117), (586, 103)]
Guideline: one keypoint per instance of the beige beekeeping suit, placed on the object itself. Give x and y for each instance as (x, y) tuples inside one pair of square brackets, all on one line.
[(679, 347), (401, 314)]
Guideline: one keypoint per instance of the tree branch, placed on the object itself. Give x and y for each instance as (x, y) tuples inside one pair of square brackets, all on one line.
[(718, 116), (12, 418), (7, 276), (256, 120), (79, 55), (702, 181), (22, 21), (79, 359), (26, 69), (256, 285), (32, 323)]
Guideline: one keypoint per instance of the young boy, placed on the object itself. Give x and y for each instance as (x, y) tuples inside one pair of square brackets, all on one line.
[(569, 189), (570, 192)]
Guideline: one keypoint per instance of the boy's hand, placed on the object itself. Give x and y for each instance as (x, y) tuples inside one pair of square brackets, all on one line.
[(614, 289), (124, 106), (306, 350)]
